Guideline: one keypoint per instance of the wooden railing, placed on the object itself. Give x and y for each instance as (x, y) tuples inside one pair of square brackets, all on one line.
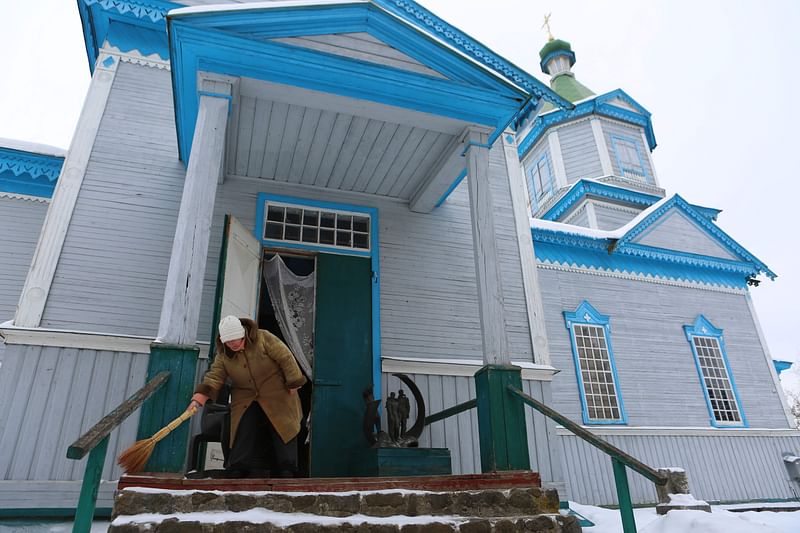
[(95, 443), (619, 459)]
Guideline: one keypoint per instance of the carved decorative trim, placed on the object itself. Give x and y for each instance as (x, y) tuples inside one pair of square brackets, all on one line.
[(138, 8), (35, 165), (133, 57), (647, 278), (28, 197), (412, 11)]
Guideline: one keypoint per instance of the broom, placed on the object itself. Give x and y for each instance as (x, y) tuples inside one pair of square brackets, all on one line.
[(134, 458)]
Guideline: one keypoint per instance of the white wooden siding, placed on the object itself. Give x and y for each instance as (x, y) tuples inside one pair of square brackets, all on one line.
[(362, 46), (50, 396), (428, 294), (21, 221), (613, 217), (656, 369), (676, 232), (579, 151), (113, 267), (298, 144), (459, 433), (579, 217), (720, 468)]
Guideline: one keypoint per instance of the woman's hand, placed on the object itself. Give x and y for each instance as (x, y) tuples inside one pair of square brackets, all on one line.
[(198, 401)]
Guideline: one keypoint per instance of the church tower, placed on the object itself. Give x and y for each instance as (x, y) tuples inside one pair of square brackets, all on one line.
[(604, 144)]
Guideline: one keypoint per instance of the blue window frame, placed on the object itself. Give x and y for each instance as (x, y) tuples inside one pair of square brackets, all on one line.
[(716, 378), (540, 180), (590, 336), (628, 153)]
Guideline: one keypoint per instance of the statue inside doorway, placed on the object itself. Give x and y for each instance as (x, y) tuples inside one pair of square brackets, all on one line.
[(398, 410)]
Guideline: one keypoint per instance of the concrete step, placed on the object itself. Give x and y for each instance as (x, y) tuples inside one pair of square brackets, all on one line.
[(384, 511), (383, 503)]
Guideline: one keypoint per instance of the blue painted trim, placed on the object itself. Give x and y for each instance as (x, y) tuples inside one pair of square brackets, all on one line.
[(780, 366), (96, 16), (648, 178), (586, 314), (373, 254), (702, 327), (584, 187), (195, 49), (712, 230), (532, 185), (452, 187), (417, 15), (555, 53), (598, 106), (28, 173)]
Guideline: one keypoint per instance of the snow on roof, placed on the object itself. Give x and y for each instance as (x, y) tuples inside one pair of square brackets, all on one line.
[(537, 223), (35, 148)]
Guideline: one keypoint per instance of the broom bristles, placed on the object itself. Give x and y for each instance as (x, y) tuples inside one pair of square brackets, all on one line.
[(134, 458)]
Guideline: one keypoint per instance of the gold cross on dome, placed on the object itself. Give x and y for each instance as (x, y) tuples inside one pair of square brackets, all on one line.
[(547, 26)]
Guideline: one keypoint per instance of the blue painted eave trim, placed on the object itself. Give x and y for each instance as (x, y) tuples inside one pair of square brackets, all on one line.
[(711, 229), (28, 173), (598, 105), (194, 49), (97, 15), (585, 187), (780, 366)]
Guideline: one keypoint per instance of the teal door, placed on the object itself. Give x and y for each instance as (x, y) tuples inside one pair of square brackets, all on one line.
[(342, 363)]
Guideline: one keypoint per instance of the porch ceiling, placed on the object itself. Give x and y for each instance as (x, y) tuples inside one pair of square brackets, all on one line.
[(288, 134)]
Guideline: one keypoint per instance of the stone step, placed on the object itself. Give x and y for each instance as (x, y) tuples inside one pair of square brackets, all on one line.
[(230, 522), (383, 503)]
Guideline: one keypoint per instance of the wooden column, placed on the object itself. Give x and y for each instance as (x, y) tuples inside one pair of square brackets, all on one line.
[(487, 269), (180, 310), (530, 277), (54, 230)]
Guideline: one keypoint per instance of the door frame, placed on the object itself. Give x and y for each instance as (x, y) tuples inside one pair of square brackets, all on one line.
[(373, 254)]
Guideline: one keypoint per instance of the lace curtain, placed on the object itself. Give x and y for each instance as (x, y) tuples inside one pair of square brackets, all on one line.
[(292, 299)]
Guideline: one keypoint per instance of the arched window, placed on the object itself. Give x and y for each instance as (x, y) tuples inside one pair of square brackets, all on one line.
[(719, 388), (594, 365)]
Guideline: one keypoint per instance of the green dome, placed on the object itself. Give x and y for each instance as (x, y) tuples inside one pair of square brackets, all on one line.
[(552, 46)]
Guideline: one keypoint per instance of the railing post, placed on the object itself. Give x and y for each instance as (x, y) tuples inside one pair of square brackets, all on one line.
[(84, 513), (624, 496)]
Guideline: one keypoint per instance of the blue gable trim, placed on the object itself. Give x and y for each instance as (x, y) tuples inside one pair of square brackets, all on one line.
[(97, 16), (584, 187), (599, 106), (703, 327), (28, 173), (194, 47), (587, 314), (780, 366), (712, 230)]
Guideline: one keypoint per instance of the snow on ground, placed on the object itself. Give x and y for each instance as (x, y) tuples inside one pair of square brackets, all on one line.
[(606, 521)]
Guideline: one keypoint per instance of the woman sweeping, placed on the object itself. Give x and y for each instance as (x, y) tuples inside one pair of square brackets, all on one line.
[(265, 407)]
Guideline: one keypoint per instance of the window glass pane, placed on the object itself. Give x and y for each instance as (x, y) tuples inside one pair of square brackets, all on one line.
[(292, 233), (361, 224), (598, 381), (310, 234), (274, 231), (360, 240), (715, 377), (310, 218), (293, 215), (327, 220), (343, 238), (275, 213), (326, 236), (344, 221)]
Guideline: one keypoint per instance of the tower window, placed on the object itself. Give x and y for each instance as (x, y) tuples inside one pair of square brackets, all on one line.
[(540, 180), (629, 158)]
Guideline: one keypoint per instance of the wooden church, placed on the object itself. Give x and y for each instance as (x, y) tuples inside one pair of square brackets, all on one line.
[(451, 213)]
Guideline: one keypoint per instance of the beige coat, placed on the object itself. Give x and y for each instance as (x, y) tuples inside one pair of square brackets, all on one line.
[(264, 372)]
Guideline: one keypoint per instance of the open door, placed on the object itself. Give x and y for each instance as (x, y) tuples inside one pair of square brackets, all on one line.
[(342, 363), (238, 275)]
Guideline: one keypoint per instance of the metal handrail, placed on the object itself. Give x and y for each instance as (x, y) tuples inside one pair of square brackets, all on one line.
[(619, 459), (450, 411), (95, 443)]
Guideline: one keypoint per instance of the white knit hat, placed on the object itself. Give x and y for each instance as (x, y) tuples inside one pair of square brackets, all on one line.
[(230, 329)]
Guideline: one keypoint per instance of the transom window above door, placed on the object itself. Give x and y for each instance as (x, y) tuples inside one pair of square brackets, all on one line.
[(318, 226)]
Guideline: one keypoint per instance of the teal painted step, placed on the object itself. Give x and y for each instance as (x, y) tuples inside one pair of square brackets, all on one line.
[(389, 462)]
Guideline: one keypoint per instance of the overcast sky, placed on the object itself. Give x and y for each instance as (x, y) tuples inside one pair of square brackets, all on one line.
[(719, 77)]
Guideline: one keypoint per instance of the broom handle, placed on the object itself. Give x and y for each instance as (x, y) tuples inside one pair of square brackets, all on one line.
[(163, 432)]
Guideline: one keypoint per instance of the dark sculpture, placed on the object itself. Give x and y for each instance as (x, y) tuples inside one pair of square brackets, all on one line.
[(398, 409)]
